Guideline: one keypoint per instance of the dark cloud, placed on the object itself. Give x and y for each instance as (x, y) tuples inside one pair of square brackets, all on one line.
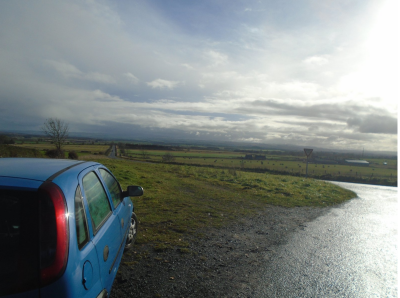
[(327, 111), (112, 129), (374, 124)]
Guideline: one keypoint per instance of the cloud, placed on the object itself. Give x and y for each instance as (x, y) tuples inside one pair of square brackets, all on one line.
[(101, 96), (161, 84), (70, 71), (65, 69), (99, 77), (374, 124), (317, 60), (215, 58), (260, 72), (187, 66), (133, 79)]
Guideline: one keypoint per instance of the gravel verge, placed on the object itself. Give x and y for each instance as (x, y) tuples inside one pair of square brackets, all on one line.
[(226, 262)]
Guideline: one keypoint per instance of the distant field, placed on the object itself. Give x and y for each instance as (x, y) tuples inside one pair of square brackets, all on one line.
[(285, 164), (276, 162)]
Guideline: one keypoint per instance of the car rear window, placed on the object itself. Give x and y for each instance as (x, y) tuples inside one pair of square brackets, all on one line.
[(19, 238)]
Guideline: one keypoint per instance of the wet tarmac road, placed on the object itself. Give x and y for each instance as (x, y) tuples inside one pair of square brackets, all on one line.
[(349, 252), (113, 153)]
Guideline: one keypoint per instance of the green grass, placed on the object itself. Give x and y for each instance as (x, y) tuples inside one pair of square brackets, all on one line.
[(376, 173), (181, 200)]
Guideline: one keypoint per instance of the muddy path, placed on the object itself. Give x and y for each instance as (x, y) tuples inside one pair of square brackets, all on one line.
[(226, 262)]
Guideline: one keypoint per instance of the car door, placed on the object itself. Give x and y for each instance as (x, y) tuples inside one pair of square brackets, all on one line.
[(104, 225), (123, 208), (86, 254)]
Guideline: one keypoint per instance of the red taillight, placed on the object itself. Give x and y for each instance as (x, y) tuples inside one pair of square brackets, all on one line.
[(54, 236)]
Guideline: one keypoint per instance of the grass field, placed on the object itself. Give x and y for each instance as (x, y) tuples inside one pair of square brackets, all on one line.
[(276, 162), (377, 172), (184, 199)]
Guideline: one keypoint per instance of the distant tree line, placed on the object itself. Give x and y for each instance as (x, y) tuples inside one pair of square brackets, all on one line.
[(6, 140), (148, 147)]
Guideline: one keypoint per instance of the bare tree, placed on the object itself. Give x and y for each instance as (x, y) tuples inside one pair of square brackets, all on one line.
[(57, 131), (168, 157), (145, 154)]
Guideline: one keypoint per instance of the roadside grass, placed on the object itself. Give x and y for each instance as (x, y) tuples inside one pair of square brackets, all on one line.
[(180, 200)]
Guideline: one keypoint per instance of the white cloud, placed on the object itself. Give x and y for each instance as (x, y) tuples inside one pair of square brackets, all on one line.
[(317, 60), (161, 84), (99, 77), (70, 71), (65, 69), (188, 66), (215, 58), (132, 78), (99, 95)]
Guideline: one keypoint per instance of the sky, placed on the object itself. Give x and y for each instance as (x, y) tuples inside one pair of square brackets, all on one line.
[(300, 72)]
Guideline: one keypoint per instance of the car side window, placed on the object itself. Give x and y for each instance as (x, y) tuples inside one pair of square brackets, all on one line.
[(82, 233), (99, 206), (113, 186)]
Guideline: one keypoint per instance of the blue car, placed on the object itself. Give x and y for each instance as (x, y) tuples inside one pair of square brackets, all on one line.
[(64, 225)]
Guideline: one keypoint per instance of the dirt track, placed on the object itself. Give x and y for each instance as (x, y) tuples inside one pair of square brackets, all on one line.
[(225, 263)]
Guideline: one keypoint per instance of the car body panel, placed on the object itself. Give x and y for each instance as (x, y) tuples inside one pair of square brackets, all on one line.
[(74, 271), (19, 184), (88, 261), (34, 168)]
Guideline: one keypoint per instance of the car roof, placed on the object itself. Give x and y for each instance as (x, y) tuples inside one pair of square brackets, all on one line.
[(39, 168)]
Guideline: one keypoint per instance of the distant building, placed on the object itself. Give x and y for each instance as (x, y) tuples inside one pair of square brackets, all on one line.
[(358, 163)]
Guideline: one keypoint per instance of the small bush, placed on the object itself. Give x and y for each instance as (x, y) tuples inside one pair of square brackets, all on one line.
[(72, 155), (168, 157), (232, 172), (54, 153)]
